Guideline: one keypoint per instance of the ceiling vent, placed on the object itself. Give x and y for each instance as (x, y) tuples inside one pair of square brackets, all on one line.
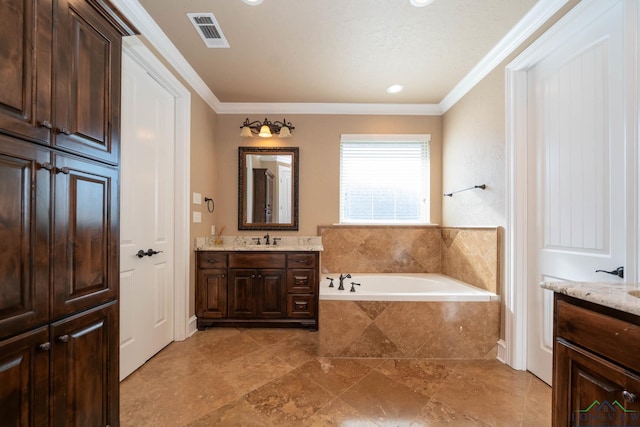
[(208, 29)]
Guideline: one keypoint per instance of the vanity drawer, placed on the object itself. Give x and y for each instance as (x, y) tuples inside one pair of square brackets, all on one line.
[(301, 306), (256, 260), (301, 260), (301, 280), (212, 260), (599, 333)]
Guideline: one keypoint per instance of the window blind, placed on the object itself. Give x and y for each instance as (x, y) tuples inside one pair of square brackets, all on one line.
[(384, 180)]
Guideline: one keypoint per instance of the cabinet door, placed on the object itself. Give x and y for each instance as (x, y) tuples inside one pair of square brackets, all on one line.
[(85, 235), (24, 235), (87, 87), (211, 294), (589, 389), (25, 92), (24, 375), (84, 368), (271, 294), (241, 293)]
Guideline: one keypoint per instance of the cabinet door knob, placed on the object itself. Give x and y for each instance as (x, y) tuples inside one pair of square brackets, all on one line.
[(628, 396), (63, 338), (65, 131), (65, 170), (46, 346), (46, 165), (46, 124)]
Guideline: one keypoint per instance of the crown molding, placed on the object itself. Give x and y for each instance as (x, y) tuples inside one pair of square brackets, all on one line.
[(540, 13), (330, 108), (138, 16), (534, 19)]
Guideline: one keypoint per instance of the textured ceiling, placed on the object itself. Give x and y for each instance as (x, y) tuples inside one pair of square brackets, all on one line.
[(338, 51)]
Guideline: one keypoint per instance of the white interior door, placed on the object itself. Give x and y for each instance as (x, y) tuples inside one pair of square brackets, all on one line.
[(577, 185), (147, 219)]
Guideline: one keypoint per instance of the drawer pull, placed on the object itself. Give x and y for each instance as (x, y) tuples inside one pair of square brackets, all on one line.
[(46, 346), (302, 261), (628, 396), (212, 261), (300, 304)]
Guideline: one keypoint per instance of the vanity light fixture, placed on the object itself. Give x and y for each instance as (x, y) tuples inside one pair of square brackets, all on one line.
[(252, 2), (266, 129)]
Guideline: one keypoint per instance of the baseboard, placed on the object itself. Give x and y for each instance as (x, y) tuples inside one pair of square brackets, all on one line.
[(502, 352), (192, 327)]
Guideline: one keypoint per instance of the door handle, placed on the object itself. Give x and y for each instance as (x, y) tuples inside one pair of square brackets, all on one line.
[(148, 252), (617, 272)]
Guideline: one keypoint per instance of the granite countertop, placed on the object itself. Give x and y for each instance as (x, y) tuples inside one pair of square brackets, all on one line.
[(612, 295), (246, 243)]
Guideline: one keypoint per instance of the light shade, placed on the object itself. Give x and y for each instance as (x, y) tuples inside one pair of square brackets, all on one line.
[(265, 132), (245, 132), (284, 132)]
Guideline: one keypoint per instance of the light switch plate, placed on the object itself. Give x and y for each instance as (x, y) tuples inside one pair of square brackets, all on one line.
[(197, 199), (197, 217)]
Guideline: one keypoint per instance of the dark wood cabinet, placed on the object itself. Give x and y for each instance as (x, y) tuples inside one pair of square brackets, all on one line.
[(24, 379), (596, 365), (59, 212), (84, 368), (25, 66), (60, 62), (262, 288)]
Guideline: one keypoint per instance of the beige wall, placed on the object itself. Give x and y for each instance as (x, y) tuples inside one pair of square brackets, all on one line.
[(318, 137)]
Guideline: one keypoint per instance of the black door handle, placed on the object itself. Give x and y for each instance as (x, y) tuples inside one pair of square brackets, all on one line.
[(141, 253), (151, 252), (617, 272)]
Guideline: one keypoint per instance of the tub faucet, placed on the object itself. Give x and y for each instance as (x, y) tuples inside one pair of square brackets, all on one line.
[(342, 277), (267, 238)]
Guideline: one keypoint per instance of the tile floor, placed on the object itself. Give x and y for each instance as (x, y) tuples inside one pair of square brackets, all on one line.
[(273, 377)]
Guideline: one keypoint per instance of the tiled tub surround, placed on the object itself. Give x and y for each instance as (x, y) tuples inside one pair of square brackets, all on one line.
[(444, 329), (467, 254)]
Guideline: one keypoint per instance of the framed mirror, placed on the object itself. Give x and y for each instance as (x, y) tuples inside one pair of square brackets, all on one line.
[(268, 188)]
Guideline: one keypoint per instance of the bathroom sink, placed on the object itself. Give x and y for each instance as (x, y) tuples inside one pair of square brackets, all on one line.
[(635, 293)]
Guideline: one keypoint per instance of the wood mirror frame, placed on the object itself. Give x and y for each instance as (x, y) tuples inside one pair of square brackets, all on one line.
[(253, 193)]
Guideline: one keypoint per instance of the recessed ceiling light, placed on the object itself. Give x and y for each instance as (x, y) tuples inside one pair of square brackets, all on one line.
[(420, 3), (256, 2), (395, 88)]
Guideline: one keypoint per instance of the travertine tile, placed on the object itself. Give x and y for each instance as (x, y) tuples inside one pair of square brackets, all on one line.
[(291, 398), (229, 348), (334, 375), (421, 375), (382, 399), (181, 386), (341, 323), (372, 343), (253, 370)]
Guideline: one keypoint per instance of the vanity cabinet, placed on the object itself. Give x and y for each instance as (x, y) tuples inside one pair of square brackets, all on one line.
[(255, 288), (59, 212), (596, 360)]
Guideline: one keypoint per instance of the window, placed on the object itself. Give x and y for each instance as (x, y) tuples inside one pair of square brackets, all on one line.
[(384, 179)]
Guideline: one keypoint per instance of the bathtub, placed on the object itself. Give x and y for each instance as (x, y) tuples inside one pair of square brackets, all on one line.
[(407, 316), (402, 287)]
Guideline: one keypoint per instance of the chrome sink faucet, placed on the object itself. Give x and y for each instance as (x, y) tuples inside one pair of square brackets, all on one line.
[(342, 277)]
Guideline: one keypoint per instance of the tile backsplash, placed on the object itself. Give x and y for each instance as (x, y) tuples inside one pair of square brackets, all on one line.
[(467, 254)]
